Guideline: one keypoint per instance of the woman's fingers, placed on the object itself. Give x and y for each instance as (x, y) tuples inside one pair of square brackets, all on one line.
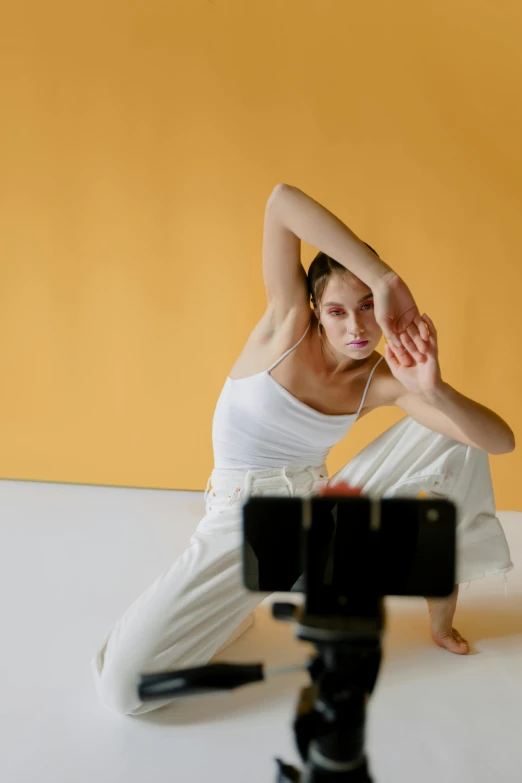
[(421, 325), (407, 358), (419, 354), (415, 343), (416, 337), (413, 340), (432, 330), (390, 354), (392, 337), (401, 352)]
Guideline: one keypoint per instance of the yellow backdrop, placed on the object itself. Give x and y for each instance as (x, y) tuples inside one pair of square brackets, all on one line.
[(139, 145)]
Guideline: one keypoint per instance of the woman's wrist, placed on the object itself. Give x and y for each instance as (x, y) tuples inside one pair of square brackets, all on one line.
[(382, 276)]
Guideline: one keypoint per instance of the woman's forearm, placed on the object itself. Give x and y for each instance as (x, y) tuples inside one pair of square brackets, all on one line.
[(313, 223), (480, 424)]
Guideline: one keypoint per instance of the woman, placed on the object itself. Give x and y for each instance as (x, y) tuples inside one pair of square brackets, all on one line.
[(302, 380)]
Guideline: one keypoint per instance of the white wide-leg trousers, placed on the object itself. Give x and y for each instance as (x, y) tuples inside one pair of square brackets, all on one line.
[(199, 605)]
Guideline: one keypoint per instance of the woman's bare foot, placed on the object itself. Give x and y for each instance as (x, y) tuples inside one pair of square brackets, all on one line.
[(442, 611)]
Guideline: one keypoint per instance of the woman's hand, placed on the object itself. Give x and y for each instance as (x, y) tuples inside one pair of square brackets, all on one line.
[(398, 315), (422, 374)]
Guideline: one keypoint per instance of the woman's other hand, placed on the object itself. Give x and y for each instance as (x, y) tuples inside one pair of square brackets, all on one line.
[(421, 374), (397, 314)]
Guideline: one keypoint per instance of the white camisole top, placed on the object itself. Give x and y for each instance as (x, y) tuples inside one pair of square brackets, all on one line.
[(258, 424)]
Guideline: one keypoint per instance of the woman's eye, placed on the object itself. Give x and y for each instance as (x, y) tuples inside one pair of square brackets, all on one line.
[(367, 305)]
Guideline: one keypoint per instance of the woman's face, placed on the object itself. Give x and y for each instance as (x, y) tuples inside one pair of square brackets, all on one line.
[(346, 314)]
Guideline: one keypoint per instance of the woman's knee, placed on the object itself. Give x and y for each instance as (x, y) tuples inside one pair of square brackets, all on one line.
[(118, 691), (116, 683)]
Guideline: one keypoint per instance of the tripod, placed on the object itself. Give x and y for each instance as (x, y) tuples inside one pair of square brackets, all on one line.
[(330, 715), (343, 544)]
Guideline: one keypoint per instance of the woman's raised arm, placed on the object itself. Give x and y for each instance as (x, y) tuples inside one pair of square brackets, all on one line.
[(303, 218)]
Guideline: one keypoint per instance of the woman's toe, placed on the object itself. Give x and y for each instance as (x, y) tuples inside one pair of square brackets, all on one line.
[(452, 641)]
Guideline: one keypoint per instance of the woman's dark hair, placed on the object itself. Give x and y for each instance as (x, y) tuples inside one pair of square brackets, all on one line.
[(321, 269)]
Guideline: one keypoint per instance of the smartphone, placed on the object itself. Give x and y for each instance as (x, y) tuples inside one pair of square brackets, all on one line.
[(349, 545)]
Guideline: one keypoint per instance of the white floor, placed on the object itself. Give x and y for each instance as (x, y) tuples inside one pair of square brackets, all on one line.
[(74, 557)]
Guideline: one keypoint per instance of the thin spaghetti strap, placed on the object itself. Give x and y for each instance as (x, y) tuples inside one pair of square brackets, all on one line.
[(289, 350), (368, 383)]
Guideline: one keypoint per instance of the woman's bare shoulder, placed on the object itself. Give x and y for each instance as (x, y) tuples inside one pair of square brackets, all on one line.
[(269, 340), (384, 388)]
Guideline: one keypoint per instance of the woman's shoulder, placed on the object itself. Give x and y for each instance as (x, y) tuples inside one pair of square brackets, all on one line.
[(270, 339), (384, 388)]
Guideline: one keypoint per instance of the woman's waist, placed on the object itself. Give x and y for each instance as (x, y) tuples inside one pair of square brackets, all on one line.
[(290, 480), (290, 471)]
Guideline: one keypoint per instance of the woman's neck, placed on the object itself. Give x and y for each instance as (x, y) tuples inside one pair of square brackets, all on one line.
[(330, 363)]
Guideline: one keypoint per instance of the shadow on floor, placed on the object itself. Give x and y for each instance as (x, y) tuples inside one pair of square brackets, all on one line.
[(274, 644), (267, 641)]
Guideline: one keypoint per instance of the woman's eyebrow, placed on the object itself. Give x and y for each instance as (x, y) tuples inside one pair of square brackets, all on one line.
[(338, 304)]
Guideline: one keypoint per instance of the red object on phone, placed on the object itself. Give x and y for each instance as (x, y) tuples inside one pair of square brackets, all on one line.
[(342, 488)]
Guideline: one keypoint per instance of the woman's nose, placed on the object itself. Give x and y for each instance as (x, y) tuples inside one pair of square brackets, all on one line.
[(355, 327)]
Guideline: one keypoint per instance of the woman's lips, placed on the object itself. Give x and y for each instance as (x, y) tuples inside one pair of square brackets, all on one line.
[(359, 344)]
